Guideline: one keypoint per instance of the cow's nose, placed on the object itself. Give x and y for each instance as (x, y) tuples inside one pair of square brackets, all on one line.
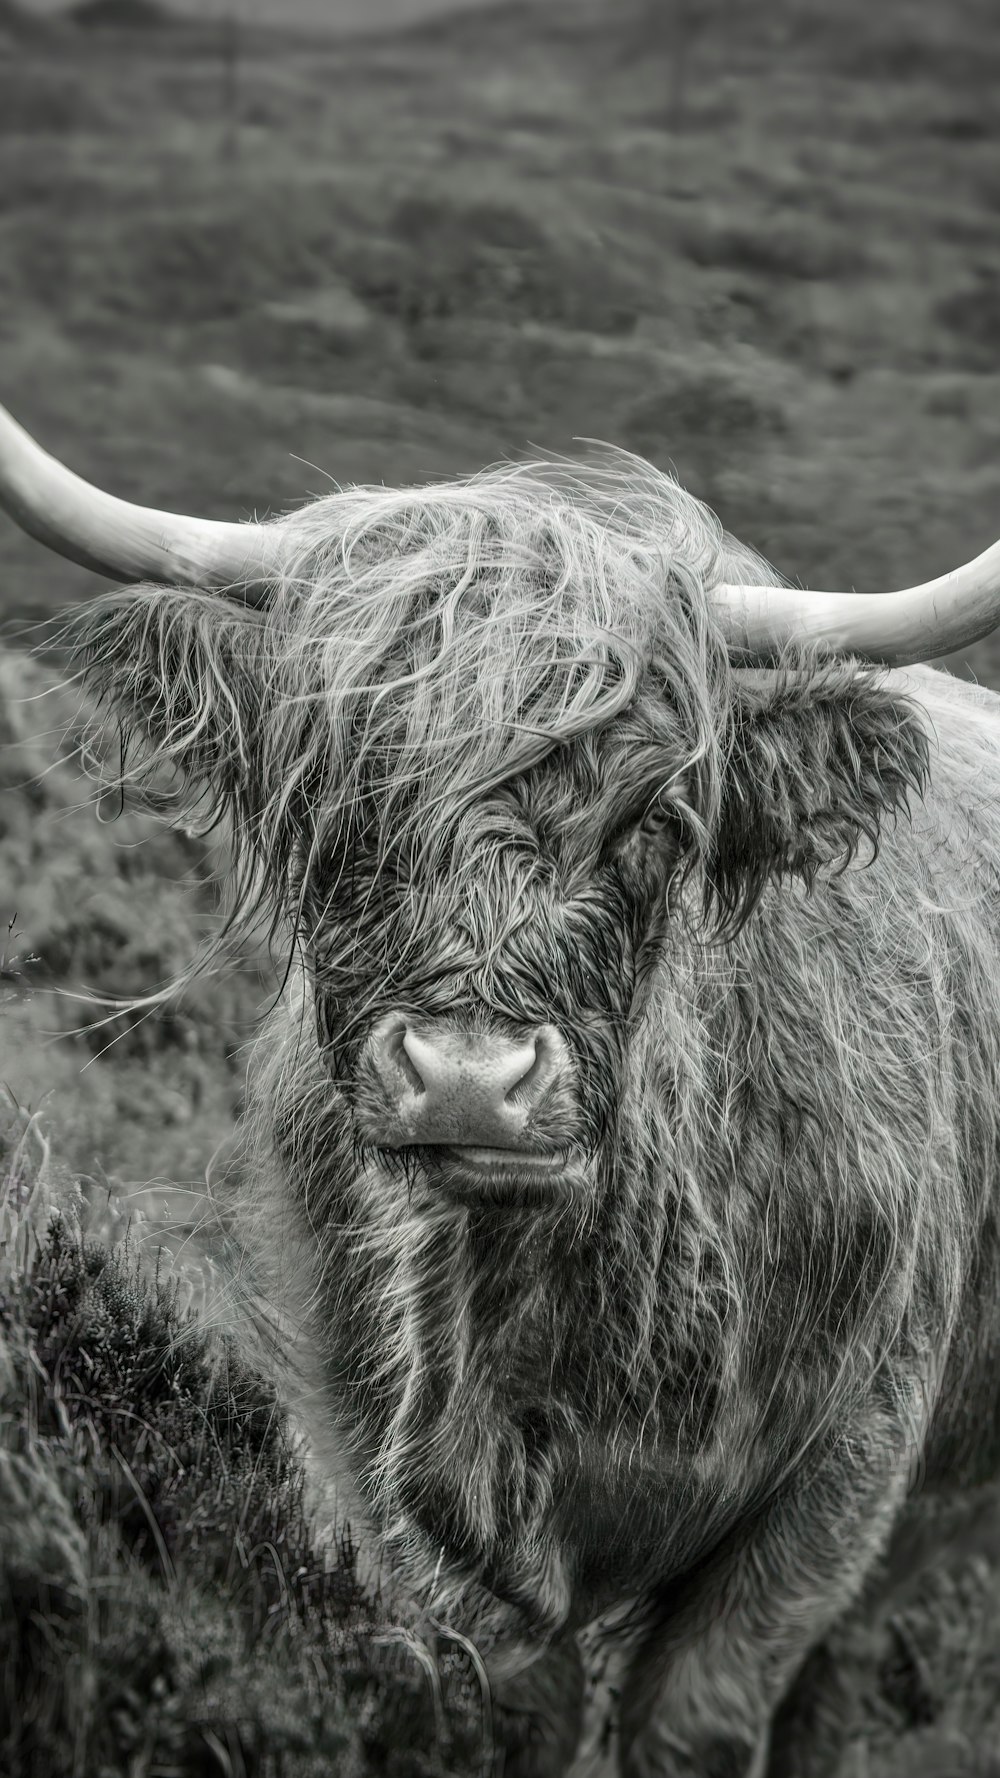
[(440, 1084)]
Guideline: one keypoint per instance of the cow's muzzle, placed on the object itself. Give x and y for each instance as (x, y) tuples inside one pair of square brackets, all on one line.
[(484, 1111)]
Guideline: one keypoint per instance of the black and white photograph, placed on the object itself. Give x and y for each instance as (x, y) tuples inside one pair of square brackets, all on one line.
[(499, 889)]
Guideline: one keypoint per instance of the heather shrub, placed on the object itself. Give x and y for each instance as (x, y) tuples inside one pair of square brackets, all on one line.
[(164, 1602)]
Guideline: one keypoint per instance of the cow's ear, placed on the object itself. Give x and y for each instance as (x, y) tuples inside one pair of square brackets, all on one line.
[(183, 673), (819, 756)]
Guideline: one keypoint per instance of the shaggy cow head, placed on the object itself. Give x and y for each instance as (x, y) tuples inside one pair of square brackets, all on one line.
[(485, 747)]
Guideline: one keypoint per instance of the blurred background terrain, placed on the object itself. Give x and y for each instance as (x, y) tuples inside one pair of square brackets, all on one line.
[(757, 241), (327, 15)]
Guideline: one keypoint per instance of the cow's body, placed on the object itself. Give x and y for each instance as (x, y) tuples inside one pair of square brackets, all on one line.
[(688, 1336), (826, 1313)]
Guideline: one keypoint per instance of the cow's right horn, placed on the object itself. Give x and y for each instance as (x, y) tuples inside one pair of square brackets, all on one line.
[(123, 541)]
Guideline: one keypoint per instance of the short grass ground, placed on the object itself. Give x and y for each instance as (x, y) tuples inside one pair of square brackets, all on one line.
[(757, 242)]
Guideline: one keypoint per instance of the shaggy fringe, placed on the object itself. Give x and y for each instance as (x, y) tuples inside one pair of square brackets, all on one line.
[(421, 647)]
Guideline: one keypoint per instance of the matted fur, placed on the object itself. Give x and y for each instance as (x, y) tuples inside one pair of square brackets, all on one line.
[(485, 752), (423, 645)]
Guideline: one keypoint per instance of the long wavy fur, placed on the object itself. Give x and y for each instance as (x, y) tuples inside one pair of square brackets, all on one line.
[(791, 1136), (423, 645)]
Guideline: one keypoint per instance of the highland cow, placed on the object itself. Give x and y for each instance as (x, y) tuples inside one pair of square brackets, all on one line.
[(625, 1141)]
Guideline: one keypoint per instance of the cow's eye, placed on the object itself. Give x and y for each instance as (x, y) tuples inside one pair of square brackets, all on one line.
[(652, 830), (659, 823)]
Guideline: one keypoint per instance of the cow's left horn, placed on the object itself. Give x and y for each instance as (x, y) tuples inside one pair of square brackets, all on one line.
[(915, 624), (123, 541)]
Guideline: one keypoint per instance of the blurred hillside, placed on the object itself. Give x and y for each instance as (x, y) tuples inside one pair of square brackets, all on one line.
[(335, 15), (755, 241)]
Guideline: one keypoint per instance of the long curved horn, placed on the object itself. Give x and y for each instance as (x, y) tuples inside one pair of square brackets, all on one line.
[(915, 624), (128, 542), (123, 541)]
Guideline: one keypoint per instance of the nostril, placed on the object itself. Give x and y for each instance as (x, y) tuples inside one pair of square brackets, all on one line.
[(392, 1058), (528, 1086), (522, 1087), (405, 1060)]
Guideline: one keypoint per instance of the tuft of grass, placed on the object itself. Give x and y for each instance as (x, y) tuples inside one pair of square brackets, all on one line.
[(104, 906)]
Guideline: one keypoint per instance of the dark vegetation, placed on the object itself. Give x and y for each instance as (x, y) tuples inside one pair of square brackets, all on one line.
[(756, 242), (164, 1604)]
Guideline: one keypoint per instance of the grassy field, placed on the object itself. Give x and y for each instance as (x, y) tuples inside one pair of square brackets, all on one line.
[(759, 243)]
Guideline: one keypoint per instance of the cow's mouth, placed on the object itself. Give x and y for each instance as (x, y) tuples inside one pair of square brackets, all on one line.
[(514, 1177)]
